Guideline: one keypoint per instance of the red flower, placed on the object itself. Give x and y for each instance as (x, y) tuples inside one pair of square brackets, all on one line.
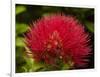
[(56, 38)]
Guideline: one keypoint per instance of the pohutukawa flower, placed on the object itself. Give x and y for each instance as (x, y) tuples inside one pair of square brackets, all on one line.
[(56, 39)]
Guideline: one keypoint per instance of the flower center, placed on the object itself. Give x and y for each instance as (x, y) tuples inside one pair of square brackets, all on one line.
[(54, 45), (54, 53)]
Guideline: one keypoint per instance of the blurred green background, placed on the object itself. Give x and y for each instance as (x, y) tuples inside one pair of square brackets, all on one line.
[(26, 14)]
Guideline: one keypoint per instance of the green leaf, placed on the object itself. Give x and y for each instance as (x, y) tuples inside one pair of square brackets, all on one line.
[(20, 42), (34, 66), (24, 69), (20, 9), (90, 26), (65, 67), (37, 66), (21, 28)]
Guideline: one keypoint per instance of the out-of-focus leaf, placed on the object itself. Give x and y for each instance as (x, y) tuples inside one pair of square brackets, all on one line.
[(31, 65), (24, 69), (20, 62), (20, 9), (21, 28), (50, 9), (20, 69), (90, 26), (20, 42), (65, 66), (38, 66)]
